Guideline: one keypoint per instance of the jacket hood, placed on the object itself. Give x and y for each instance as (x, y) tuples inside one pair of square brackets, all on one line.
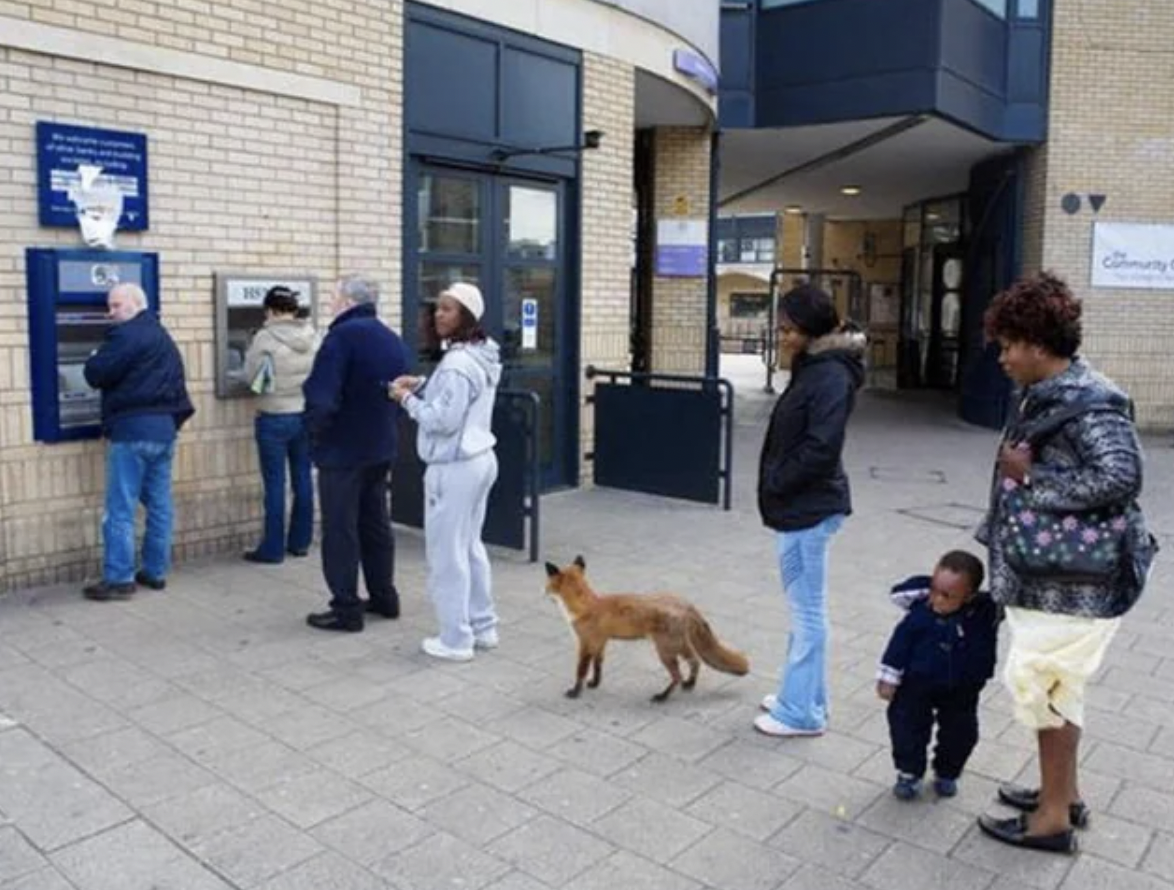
[(845, 347), (484, 356), (294, 333), (1079, 383)]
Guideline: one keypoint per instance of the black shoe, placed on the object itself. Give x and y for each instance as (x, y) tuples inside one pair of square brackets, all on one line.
[(146, 580), (299, 552), (388, 608), (1027, 799), (255, 556), (1013, 831), (334, 621), (104, 591)]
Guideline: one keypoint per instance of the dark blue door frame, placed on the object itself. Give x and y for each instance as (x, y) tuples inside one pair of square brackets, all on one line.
[(560, 468)]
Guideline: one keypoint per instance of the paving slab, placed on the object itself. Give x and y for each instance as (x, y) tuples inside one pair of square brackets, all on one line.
[(205, 738)]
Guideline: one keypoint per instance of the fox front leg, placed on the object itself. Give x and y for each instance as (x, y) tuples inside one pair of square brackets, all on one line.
[(580, 673)]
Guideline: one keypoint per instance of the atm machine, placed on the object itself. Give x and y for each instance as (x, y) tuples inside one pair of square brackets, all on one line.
[(239, 315), (67, 321)]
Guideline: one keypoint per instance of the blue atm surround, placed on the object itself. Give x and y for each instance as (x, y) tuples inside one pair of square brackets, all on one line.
[(67, 321)]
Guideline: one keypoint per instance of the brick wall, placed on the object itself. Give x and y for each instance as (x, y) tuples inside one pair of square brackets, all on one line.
[(241, 179), (609, 93), (1110, 133), (678, 304)]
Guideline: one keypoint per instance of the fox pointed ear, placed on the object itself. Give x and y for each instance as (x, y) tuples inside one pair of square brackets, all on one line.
[(580, 562), (551, 569)]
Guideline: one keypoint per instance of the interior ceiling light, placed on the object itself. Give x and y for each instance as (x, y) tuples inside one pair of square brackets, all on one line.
[(792, 208), (850, 190)]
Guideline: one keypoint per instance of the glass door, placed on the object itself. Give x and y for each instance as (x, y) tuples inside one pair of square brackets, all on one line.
[(506, 236), (533, 347)]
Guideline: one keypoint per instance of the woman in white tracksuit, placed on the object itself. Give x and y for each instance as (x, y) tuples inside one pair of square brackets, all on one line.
[(454, 409)]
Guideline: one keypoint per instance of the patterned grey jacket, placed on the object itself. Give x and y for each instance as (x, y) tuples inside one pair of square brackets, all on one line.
[(1094, 460)]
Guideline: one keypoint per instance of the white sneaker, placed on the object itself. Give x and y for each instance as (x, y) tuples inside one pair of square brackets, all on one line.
[(434, 647), (768, 702), (768, 725), (486, 640)]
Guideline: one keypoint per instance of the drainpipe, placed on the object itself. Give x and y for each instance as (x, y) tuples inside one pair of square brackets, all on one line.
[(712, 333)]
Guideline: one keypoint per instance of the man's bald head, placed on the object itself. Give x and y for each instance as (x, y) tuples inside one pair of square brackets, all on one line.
[(125, 301)]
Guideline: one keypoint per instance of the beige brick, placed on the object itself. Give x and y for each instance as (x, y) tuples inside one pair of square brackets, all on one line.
[(1109, 133), (226, 194)]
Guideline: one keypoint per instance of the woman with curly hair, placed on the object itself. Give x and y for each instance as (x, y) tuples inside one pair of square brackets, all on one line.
[(1068, 473)]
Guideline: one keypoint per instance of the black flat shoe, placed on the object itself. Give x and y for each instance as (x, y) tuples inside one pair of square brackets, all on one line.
[(334, 621), (146, 580), (254, 556), (1027, 800), (292, 552), (1013, 832), (387, 608), (104, 592)]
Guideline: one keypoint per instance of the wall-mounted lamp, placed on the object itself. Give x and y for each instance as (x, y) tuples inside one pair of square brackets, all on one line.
[(591, 140)]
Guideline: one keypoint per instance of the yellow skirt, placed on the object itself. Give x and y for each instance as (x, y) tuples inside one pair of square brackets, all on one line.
[(1050, 661)]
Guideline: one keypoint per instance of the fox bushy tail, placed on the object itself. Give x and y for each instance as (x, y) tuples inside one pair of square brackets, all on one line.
[(711, 650)]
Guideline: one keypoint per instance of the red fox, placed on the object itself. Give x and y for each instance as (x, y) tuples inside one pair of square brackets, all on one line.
[(677, 629)]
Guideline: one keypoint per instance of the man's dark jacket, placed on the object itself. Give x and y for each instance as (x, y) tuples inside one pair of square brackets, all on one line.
[(351, 420), (139, 371), (801, 478)]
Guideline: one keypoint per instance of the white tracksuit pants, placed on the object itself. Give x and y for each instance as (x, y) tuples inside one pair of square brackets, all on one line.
[(460, 582)]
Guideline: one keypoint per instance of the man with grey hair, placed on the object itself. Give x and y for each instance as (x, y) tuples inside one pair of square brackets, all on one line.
[(140, 373), (352, 425)]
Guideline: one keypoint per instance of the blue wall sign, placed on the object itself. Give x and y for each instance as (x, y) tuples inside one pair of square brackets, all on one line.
[(695, 67), (682, 248), (62, 148)]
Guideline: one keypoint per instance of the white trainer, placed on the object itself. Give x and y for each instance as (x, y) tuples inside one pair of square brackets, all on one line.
[(486, 640), (768, 702), (434, 647), (768, 725)]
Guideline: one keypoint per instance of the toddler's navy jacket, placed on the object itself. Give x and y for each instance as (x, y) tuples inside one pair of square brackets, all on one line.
[(942, 650)]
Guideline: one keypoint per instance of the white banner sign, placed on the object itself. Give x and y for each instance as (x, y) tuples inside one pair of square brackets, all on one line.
[(1133, 255), (241, 292)]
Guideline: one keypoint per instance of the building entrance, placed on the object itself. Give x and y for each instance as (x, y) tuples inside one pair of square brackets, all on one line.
[(508, 236)]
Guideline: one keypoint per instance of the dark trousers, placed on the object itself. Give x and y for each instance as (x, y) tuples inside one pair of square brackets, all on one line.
[(356, 529), (912, 714)]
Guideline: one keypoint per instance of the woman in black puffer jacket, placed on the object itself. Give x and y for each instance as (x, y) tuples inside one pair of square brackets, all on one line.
[(803, 494)]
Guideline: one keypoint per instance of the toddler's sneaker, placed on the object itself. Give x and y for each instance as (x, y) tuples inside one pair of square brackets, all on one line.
[(945, 787), (908, 787)]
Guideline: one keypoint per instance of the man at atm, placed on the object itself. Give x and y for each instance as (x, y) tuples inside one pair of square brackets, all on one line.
[(139, 371)]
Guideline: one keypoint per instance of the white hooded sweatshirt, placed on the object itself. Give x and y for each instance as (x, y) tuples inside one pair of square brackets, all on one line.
[(455, 412)]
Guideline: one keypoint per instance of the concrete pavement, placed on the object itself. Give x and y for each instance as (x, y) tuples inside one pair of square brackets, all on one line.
[(204, 738)]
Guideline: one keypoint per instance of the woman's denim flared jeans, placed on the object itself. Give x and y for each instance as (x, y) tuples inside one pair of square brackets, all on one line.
[(803, 562)]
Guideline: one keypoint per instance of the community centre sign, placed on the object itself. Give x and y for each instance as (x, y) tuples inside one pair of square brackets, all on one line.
[(1133, 255)]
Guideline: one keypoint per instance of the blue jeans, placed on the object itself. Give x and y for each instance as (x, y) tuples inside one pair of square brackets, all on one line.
[(282, 438), (803, 695), (137, 472)]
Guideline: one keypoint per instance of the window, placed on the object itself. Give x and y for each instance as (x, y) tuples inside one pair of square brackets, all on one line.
[(749, 305), (727, 250), (770, 4), (998, 7), (757, 250), (1027, 9)]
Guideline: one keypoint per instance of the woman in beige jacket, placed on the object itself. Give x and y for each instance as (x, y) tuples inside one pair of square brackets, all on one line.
[(282, 353)]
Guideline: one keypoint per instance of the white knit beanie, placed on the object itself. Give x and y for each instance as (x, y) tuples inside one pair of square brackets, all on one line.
[(468, 295)]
